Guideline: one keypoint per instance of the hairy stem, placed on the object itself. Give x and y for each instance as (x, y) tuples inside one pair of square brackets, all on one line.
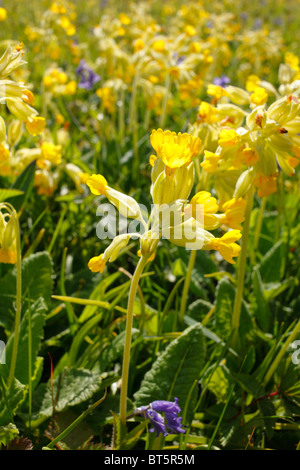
[(18, 303), (242, 268), (186, 285)]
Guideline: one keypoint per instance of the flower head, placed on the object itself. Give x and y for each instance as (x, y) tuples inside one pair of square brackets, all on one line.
[(226, 245), (170, 423), (87, 76), (36, 125)]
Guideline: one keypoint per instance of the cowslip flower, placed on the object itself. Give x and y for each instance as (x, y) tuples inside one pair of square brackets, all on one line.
[(8, 244), (172, 216), (170, 423), (35, 125), (126, 205), (226, 245)]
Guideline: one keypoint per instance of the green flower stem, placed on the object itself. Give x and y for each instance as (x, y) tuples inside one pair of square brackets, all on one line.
[(18, 301), (165, 101), (186, 285), (241, 268), (281, 353), (29, 365), (258, 228), (126, 357)]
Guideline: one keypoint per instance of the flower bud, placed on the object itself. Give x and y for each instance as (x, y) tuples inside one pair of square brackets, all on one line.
[(2, 130), (14, 132), (149, 242), (286, 74), (244, 183), (257, 119), (237, 95)]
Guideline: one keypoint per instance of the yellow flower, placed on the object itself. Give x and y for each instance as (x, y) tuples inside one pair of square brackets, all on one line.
[(292, 60), (259, 96), (216, 91), (159, 45), (138, 45), (4, 153), (51, 152), (204, 208), (234, 213), (249, 156), (211, 161), (252, 82), (71, 88), (226, 245), (190, 30), (124, 19), (8, 247), (175, 150), (97, 184), (97, 264), (207, 113), (174, 156), (126, 205), (107, 97), (28, 97), (3, 14), (228, 138), (152, 159), (195, 47), (36, 125), (265, 184)]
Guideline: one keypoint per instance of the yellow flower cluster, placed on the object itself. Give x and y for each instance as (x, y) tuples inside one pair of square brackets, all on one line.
[(172, 182)]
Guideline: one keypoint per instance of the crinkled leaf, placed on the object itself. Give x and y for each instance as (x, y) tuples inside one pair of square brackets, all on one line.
[(175, 370)]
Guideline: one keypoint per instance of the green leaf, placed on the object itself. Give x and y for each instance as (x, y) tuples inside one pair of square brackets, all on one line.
[(8, 433), (70, 388), (225, 295), (272, 265), (36, 282), (175, 370), (24, 183), (9, 193), (260, 306), (198, 309), (38, 314), (115, 350), (219, 384), (10, 401)]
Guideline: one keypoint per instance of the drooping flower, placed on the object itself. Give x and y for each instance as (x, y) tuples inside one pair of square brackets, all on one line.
[(170, 423), (87, 77), (226, 245)]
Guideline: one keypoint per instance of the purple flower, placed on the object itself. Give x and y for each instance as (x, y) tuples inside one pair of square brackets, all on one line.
[(222, 81), (170, 423), (86, 75)]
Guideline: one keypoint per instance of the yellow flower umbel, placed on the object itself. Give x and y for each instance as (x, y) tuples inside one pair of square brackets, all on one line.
[(172, 217)]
